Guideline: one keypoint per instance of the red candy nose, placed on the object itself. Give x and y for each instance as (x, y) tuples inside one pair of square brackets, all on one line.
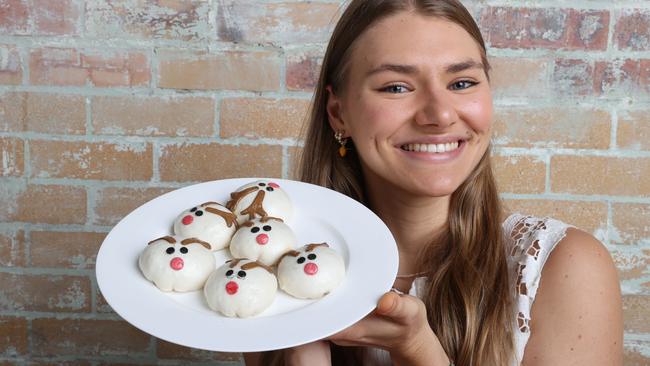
[(176, 263), (274, 185), (232, 287), (187, 220), (262, 239), (311, 268)]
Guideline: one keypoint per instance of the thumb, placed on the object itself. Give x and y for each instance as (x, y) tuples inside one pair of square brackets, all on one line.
[(401, 308)]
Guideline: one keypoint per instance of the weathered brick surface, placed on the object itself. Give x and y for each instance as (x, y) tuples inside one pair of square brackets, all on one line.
[(587, 216), (633, 30), (114, 203), (553, 127), (75, 250), (108, 161), (43, 113), (12, 249), (172, 19), (520, 174), (632, 263), (48, 204), (274, 118), (633, 130), (12, 157), (153, 116), (519, 77), (49, 293), (254, 71), (13, 336), (600, 175), (167, 350), (636, 320), (11, 72), (554, 28), (100, 68), (203, 162), (294, 153), (630, 222), (281, 23), (66, 337), (303, 69)]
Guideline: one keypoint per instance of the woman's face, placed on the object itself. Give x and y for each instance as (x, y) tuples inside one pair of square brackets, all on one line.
[(416, 103)]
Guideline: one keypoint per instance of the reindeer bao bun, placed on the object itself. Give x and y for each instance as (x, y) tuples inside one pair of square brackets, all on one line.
[(261, 198), (241, 288), (175, 264), (264, 240), (311, 272), (210, 222)]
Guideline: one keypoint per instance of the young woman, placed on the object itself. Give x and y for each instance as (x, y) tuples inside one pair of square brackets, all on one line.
[(401, 121)]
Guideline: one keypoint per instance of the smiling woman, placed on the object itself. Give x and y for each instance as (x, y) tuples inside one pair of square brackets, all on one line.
[(406, 83)]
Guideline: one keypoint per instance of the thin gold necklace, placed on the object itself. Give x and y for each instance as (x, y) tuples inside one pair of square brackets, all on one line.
[(411, 275)]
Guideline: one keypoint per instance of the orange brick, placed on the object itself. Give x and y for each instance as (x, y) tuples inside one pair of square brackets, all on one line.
[(13, 337), (204, 162), (294, 161), (47, 204), (520, 174), (635, 313), (632, 29), (92, 337), (153, 116), (54, 249), (631, 223), (56, 17), (573, 77), (622, 77), (518, 77), (167, 350), (274, 118), (303, 69), (115, 203), (68, 66), (170, 19), (14, 17), (635, 357), (632, 265), (50, 293), (11, 72), (553, 127), (279, 23), (633, 130), (600, 175), (12, 250), (12, 155), (102, 304), (85, 160), (43, 113), (255, 71), (587, 216)]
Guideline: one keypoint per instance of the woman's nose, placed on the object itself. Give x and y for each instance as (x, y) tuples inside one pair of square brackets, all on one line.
[(436, 110)]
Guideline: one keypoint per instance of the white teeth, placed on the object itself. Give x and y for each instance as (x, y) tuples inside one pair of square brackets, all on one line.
[(431, 148)]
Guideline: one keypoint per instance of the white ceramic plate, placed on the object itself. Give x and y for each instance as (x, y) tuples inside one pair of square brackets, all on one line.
[(320, 215)]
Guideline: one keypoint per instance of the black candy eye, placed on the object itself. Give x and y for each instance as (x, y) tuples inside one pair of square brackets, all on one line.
[(311, 256), (193, 209), (198, 213), (255, 229), (184, 250), (301, 260), (241, 274), (261, 184), (229, 272), (270, 189), (170, 250), (267, 228)]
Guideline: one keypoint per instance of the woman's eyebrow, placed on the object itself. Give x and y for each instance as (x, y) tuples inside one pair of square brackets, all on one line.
[(402, 69), (463, 65)]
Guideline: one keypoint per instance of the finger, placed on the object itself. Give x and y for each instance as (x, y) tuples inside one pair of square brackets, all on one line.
[(400, 308)]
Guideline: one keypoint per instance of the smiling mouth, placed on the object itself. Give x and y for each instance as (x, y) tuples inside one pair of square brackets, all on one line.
[(432, 148)]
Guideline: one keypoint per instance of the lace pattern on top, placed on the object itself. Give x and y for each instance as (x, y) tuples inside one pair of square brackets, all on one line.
[(530, 241)]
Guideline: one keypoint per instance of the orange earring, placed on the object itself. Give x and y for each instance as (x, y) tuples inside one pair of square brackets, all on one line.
[(342, 141)]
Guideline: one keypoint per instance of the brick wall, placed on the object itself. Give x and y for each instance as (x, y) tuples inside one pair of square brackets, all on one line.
[(107, 104)]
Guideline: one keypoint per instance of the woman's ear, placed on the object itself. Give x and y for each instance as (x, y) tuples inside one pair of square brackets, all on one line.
[(334, 109)]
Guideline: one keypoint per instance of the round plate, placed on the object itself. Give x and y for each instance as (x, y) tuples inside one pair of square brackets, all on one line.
[(320, 215)]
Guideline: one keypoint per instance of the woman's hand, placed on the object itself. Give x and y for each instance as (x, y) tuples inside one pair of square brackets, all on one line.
[(399, 325)]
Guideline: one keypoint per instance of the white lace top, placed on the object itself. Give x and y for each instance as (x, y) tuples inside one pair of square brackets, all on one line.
[(529, 241)]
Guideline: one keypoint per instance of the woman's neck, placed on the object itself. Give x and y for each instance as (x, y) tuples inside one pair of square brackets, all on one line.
[(413, 220)]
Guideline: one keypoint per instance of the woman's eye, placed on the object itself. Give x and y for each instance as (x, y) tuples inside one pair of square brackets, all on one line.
[(395, 89), (463, 84)]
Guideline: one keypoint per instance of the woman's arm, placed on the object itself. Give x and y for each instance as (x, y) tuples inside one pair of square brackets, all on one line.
[(577, 317), (312, 354)]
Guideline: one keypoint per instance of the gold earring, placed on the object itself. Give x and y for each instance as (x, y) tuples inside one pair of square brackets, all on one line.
[(342, 141)]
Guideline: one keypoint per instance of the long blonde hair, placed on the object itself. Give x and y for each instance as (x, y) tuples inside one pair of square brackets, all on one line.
[(469, 299)]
